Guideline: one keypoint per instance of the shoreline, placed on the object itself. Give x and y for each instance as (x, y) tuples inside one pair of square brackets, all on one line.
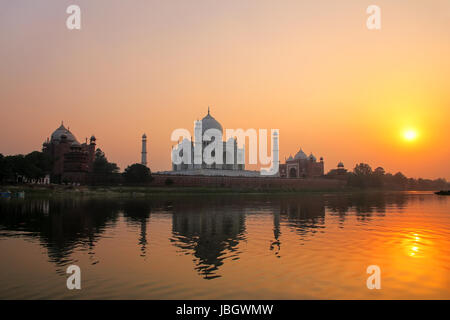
[(151, 191)]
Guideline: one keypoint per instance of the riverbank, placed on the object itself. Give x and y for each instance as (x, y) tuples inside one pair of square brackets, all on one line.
[(141, 191), (146, 191)]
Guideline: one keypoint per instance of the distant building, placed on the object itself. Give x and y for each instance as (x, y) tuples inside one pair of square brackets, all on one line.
[(302, 166), (339, 173), (72, 161)]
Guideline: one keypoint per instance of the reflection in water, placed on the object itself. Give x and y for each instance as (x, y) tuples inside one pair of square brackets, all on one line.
[(61, 226), (304, 214), (276, 243), (212, 231), (138, 212), (415, 244), (209, 230)]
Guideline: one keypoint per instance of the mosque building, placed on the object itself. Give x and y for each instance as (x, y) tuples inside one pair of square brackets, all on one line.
[(72, 161), (302, 166)]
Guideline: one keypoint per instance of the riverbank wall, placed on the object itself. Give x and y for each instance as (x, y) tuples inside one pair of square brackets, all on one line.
[(161, 180)]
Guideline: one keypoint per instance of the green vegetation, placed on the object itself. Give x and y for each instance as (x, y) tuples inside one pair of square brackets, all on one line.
[(137, 174), (34, 165), (101, 164), (363, 177), (127, 191)]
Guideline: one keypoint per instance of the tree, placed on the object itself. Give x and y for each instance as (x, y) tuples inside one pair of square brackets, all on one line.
[(361, 176), (400, 180), (362, 169), (101, 164), (378, 177), (37, 164), (379, 171), (34, 165), (3, 169), (9, 166), (137, 173)]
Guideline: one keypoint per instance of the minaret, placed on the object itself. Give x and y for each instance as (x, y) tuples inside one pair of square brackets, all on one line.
[(144, 150), (273, 171), (198, 150), (275, 151)]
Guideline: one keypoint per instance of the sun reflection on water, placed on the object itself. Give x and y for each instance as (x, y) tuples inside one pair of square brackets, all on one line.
[(415, 245)]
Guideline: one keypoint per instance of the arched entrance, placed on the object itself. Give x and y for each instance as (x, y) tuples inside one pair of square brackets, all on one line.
[(292, 173)]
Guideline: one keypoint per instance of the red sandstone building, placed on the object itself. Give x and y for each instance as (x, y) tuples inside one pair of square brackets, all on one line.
[(72, 161), (302, 166)]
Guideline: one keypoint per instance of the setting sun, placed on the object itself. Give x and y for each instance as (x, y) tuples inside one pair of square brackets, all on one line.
[(410, 135)]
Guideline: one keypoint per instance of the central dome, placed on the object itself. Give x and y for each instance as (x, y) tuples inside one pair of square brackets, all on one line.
[(301, 155), (208, 122), (62, 131)]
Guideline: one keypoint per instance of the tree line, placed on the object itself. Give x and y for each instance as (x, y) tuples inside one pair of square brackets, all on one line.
[(37, 165), (364, 177), (34, 165)]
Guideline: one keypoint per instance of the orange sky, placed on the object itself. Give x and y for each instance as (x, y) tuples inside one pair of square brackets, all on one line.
[(308, 68)]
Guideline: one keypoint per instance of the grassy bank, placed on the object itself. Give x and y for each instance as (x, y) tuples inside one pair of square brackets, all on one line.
[(143, 191)]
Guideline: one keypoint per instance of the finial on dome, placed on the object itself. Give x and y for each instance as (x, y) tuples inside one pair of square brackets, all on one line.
[(208, 110)]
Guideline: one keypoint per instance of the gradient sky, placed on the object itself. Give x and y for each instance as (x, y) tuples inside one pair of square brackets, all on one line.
[(309, 68)]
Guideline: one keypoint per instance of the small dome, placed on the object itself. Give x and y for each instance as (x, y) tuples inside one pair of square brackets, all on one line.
[(290, 158), (312, 157), (340, 164), (144, 136), (301, 155), (62, 132), (208, 122), (93, 138)]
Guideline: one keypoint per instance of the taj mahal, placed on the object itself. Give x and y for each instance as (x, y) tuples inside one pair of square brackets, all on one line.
[(233, 157)]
